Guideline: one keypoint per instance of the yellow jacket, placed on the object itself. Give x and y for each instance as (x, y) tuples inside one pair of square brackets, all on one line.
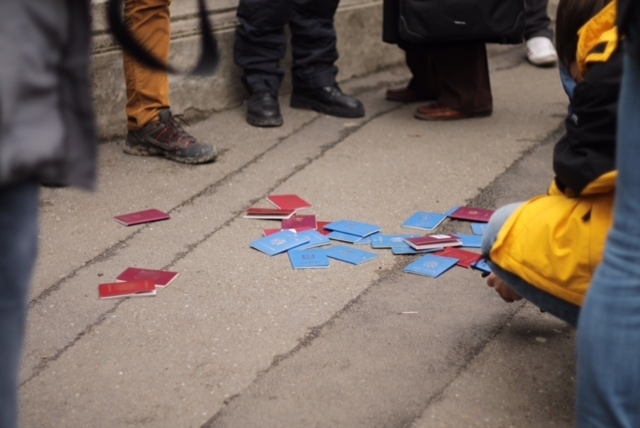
[(556, 241)]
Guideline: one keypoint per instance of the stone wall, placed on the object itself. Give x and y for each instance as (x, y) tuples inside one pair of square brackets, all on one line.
[(358, 23)]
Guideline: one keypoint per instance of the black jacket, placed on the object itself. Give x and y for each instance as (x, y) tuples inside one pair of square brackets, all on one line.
[(587, 150)]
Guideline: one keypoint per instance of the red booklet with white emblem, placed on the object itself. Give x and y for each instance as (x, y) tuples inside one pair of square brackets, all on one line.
[(433, 241), (161, 278)]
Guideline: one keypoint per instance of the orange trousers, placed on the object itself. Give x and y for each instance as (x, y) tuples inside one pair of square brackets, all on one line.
[(147, 90)]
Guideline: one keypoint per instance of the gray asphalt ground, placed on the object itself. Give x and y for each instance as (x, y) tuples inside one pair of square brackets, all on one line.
[(240, 339)]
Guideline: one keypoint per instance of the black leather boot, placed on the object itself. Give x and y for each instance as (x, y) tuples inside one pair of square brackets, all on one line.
[(263, 110), (328, 100)]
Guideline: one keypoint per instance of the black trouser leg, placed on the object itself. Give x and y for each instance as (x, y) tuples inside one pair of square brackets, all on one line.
[(536, 19)]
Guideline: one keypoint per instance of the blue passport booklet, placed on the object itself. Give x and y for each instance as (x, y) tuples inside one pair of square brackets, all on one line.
[(479, 228), (482, 265), (425, 220), (470, 241), (353, 227), (350, 255), (344, 237), (308, 259), (431, 265), (316, 239), (278, 242), (390, 241)]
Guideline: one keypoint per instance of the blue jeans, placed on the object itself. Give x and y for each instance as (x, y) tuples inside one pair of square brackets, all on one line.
[(18, 248), (559, 308), (609, 326)]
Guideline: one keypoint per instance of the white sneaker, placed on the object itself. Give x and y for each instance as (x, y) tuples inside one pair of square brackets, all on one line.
[(540, 51)]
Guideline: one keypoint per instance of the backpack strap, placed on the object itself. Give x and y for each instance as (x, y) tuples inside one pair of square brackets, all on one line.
[(209, 56)]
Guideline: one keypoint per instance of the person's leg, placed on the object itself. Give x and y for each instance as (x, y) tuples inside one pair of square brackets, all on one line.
[(152, 130), (18, 248), (464, 83), (259, 46), (538, 34), (421, 86), (543, 300), (609, 328), (260, 42), (313, 45), (147, 90)]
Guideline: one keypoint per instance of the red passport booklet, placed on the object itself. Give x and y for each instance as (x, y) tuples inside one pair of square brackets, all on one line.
[(268, 213), (146, 216), (298, 222), (433, 241), (161, 278), (320, 227), (480, 215), (141, 288), (465, 258), (288, 202)]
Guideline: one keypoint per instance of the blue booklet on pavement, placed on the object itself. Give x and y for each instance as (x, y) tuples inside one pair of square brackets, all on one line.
[(308, 259), (471, 241), (279, 242), (482, 265), (344, 237), (316, 239), (431, 265), (353, 227), (478, 228), (425, 220), (350, 255)]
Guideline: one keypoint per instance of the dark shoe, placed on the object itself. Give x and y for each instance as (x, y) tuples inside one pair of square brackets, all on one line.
[(405, 95), (439, 111), (263, 110), (328, 100), (165, 137)]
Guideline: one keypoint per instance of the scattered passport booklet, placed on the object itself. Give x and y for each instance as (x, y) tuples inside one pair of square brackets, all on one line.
[(353, 227), (380, 240), (161, 278), (349, 255), (433, 241), (146, 216), (479, 215), (425, 220), (482, 265), (308, 259), (300, 222), (478, 228), (288, 202), (279, 242), (471, 241), (465, 258), (431, 265), (268, 213), (112, 290)]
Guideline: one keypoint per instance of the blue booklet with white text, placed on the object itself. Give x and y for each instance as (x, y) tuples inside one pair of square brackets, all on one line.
[(431, 265), (279, 242), (316, 239), (344, 237), (308, 259), (425, 220)]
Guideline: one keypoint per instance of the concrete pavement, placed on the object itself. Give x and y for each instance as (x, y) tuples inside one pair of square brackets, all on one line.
[(240, 339)]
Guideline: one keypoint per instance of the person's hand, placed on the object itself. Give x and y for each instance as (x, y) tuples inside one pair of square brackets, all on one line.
[(501, 287)]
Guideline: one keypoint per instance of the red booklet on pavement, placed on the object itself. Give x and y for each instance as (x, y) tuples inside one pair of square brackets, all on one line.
[(161, 278), (298, 222), (433, 241), (465, 258), (288, 202), (141, 288), (480, 215), (139, 217), (320, 227)]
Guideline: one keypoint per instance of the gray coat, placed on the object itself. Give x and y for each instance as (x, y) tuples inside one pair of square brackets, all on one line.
[(47, 127)]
